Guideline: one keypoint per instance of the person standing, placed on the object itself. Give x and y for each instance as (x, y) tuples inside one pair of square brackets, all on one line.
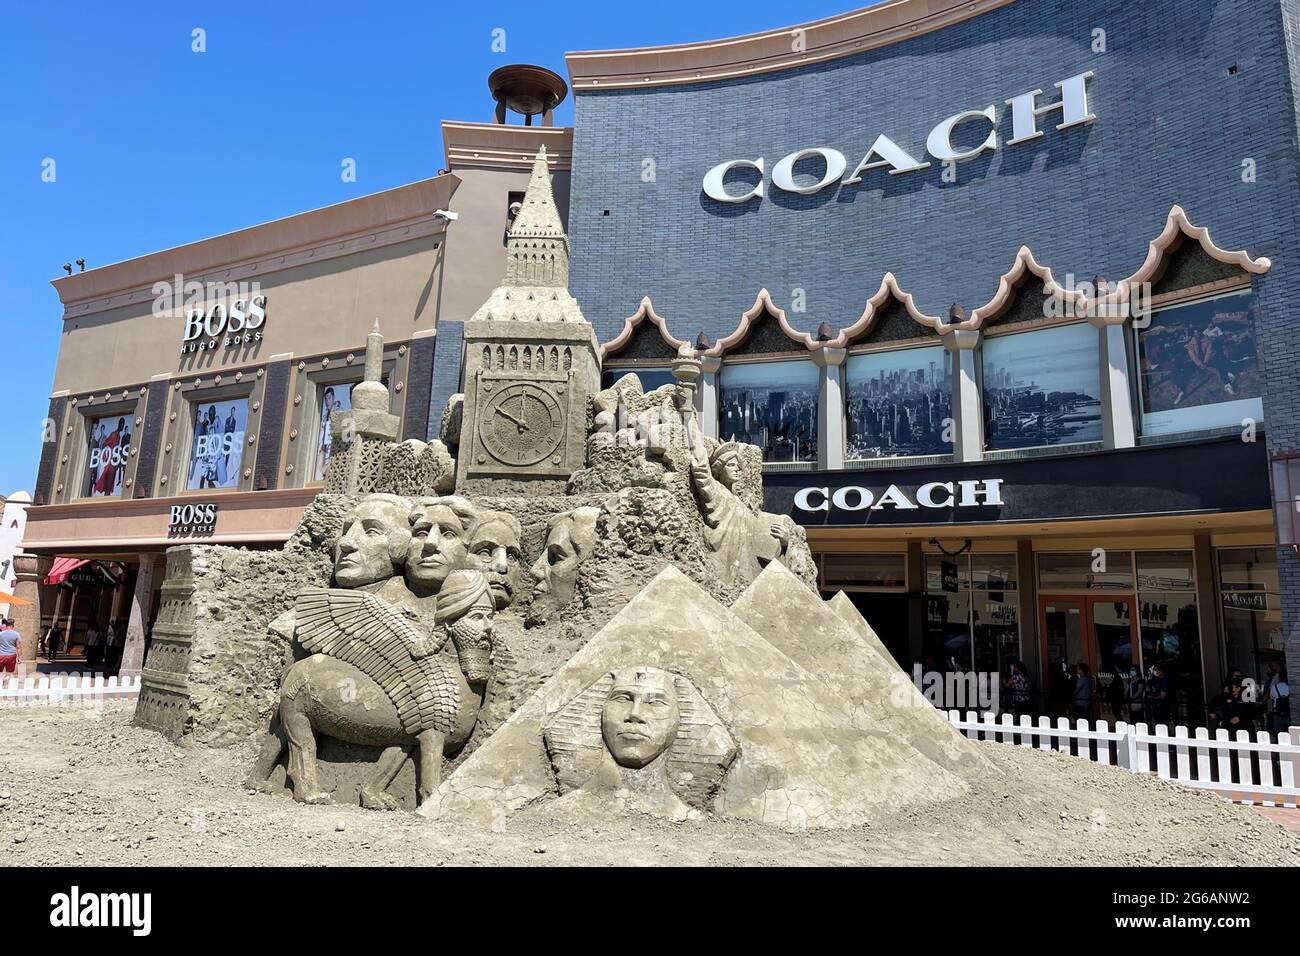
[(11, 645), (94, 648), (1279, 703), (116, 641), (52, 641), (1020, 688), (1084, 689)]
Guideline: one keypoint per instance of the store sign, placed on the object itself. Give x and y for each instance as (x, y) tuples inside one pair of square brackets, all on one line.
[(941, 495), (948, 576), (1246, 600), (189, 520), (885, 153), (221, 325)]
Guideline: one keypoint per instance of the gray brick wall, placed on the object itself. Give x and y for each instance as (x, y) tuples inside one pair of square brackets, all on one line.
[(449, 344), (1186, 92)]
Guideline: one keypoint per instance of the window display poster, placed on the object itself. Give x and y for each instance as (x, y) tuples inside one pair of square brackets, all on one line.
[(332, 398), (1199, 367), (218, 445), (772, 405), (109, 450), (1042, 388)]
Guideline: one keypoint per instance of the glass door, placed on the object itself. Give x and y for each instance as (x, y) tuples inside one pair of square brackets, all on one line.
[(1063, 628), (1097, 631)]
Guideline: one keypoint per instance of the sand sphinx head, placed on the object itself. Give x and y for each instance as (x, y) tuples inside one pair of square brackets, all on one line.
[(641, 716), (641, 720)]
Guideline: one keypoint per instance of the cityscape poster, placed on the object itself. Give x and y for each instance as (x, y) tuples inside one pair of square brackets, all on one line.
[(1042, 388), (899, 403), (772, 405)]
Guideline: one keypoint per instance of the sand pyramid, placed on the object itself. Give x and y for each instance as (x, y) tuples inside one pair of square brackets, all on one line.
[(847, 612), (804, 759), (853, 662)]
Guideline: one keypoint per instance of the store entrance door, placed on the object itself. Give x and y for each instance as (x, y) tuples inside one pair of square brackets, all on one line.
[(1094, 630)]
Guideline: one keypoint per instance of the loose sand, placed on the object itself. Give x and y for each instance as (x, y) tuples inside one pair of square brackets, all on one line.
[(85, 787)]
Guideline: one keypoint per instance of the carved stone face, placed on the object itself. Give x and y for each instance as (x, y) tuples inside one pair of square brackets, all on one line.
[(641, 716), (726, 468), (374, 542), (494, 550), (439, 545), (475, 627), (571, 537)]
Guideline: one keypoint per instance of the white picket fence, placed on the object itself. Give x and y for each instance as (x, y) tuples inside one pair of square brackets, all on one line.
[(67, 690), (1243, 769)]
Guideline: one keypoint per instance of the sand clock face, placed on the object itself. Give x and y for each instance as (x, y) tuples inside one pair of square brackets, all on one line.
[(523, 425)]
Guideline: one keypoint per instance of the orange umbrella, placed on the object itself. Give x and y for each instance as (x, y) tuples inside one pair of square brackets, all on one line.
[(14, 600)]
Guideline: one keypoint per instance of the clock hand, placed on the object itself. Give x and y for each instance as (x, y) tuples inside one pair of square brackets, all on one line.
[(505, 414)]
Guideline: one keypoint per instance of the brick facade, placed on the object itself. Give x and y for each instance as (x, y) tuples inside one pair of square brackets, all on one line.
[(1190, 96)]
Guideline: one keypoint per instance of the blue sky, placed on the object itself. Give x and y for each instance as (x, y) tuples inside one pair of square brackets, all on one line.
[(156, 145)]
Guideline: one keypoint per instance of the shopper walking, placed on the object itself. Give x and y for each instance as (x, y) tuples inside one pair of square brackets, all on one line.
[(52, 641)]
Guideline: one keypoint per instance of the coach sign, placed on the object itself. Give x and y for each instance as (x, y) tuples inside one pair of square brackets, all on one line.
[(885, 153), (1218, 475), (942, 495)]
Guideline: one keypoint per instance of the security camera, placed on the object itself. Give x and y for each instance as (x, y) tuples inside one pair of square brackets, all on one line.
[(446, 214)]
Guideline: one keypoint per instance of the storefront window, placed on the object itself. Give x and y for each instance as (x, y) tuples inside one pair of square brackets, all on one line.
[(1042, 388), (1251, 610), (899, 402), (1198, 367), (218, 443), (330, 399), (977, 625), (772, 405), (651, 378), (1170, 628), (109, 449), (864, 571), (1100, 570)]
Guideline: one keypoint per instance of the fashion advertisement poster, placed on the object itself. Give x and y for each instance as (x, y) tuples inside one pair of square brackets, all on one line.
[(898, 403), (333, 398), (772, 405), (1199, 367), (1042, 387), (218, 444), (109, 451)]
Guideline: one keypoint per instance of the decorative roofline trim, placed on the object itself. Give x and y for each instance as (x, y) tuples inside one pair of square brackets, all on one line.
[(889, 289), (733, 57), (1178, 225), (644, 313), (1009, 285), (762, 303)]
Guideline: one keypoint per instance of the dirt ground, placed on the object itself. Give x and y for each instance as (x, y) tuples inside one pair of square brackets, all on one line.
[(85, 787)]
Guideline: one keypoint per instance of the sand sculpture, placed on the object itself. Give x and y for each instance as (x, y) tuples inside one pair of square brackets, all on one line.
[(572, 602)]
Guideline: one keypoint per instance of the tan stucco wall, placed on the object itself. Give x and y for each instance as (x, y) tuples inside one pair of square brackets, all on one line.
[(319, 307), (476, 252)]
